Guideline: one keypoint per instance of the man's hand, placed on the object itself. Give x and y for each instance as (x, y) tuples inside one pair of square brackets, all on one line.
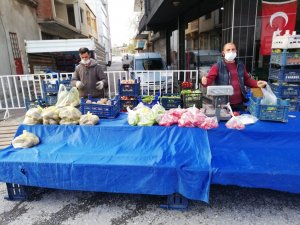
[(79, 84), (99, 85), (204, 80), (261, 84)]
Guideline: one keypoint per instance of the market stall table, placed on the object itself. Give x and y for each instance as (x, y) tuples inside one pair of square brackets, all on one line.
[(113, 157), (264, 155)]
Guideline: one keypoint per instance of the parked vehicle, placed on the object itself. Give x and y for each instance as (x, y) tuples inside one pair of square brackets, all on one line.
[(126, 60), (61, 55), (151, 69)]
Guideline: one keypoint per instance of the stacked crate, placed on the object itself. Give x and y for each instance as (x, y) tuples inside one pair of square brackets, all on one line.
[(50, 90), (129, 92), (284, 72)]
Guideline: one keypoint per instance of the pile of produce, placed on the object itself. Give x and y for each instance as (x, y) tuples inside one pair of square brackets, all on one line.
[(59, 115), (101, 101), (130, 81), (186, 85), (148, 99), (142, 115), (191, 117), (25, 140)]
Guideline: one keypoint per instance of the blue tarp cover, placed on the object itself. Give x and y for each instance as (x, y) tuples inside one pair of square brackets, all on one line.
[(264, 155), (113, 157)]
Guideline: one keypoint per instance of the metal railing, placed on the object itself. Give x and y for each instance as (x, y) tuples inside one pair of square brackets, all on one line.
[(15, 90)]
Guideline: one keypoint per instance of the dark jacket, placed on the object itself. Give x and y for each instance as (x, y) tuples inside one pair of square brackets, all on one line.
[(89, 76), (224, 77)]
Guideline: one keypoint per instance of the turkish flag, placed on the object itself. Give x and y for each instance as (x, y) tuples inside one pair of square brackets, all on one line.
[(279, 17)]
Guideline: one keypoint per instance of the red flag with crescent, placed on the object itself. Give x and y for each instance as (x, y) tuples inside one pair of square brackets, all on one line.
[(279, 17)]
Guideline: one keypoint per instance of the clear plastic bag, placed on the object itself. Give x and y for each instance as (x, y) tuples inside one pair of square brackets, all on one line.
[(234, 122), (25, 140), (67, 98), (269, 98)]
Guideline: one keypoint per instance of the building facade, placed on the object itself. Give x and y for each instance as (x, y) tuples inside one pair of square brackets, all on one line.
[(100, 8), (191, 29), (40, 19)]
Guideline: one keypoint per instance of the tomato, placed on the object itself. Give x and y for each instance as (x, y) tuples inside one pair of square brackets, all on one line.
[(236, 113)]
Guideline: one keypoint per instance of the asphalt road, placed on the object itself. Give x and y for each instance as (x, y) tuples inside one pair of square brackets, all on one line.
[(228, 205)]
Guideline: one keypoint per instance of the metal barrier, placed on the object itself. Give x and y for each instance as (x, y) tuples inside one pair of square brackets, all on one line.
[(16, 89)]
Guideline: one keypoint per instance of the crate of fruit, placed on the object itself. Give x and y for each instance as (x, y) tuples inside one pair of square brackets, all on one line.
[(169, 101), (285, 90), (102, 107), (186, 85), (50, 86), (278, 112), (128, 101), (149, 100), (191, 98), (34, 103), (285, 58), (129, 88), (284, 74), (294, 105)]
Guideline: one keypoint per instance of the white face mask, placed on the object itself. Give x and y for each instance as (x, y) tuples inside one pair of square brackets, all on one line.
[(85, 61), (230, 56)]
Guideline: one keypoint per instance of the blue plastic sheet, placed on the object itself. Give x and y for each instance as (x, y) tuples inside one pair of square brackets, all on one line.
[(264, 155), (113, 157)]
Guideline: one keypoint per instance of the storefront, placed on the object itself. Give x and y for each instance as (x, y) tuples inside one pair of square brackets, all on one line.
[(195, 31)]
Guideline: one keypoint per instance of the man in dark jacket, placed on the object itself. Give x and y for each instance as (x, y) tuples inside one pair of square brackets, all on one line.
[(232, 72), (89, 77)]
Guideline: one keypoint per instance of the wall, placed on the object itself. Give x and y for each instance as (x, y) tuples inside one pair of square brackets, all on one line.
[(21, 19)]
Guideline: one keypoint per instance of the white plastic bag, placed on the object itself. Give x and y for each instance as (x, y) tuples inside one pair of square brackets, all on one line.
[(25, 140), (67, 98), (269, 98), (234, 122), (247, 119)]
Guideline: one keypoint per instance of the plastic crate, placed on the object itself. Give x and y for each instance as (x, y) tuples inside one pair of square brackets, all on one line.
[(16, 192), (150, 105), (278, 112), (66, 83), (50, 86), (286, 41), (169, 101), (128, 103), (50, 99), (189, 100), (284, 74), (34, 103), (294, 105), (285, 90), (129, 89), (285, 58), (104, 111)]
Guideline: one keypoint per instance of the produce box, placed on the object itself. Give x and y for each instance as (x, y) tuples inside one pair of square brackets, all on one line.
[(285, 90), (66, 83), (149, 100), (278, 112), (50, 86), (285, 58), (50, 99), (35, 103), (129, 88), (294, 105), (105, 108), (191, 98), (169, 101), (285, 75), (128, 101), (186, 85)]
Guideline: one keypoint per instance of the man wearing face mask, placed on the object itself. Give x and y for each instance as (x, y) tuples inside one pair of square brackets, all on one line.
[(232, 72), (89, 77)]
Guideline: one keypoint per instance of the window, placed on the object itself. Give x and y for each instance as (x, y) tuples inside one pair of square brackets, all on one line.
[(81, 15)]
